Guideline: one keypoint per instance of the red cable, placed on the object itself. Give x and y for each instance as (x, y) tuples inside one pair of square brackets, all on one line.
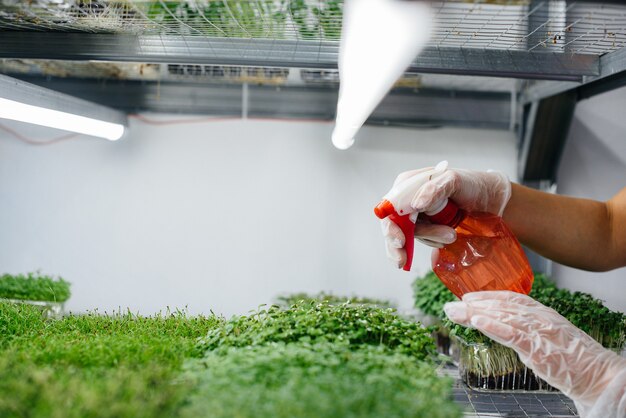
[(149, 121), (35, 142), (219, 119)]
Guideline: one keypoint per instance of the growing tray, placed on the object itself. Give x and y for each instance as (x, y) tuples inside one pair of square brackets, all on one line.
[(494, 367)]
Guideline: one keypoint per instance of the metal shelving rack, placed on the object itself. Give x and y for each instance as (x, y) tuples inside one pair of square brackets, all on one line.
[(524, 39), (550, 53)]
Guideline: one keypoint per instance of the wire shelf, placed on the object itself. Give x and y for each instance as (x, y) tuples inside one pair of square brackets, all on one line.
[(224, 74), (531, 26)]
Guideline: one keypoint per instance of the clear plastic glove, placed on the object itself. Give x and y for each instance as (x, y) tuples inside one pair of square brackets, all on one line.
[(557, 351), (472, 190)]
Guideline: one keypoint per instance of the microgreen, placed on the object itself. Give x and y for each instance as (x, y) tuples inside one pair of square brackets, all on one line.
[(311, 359), (119, 365), (583, 310), (320, 322), (489, 361), (323, 379), (288, 300), (34, 286), (431, 294), (101, 340)]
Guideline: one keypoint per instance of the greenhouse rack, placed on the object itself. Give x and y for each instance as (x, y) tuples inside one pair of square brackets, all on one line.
[(288, 53), (553, 53)]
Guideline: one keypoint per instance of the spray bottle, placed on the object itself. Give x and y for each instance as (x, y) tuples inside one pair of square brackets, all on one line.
[(485, 256)]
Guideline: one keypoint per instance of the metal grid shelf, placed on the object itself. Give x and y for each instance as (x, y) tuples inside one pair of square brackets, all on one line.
[(519, 404), (551, 40), (286, 53), (573, 27)]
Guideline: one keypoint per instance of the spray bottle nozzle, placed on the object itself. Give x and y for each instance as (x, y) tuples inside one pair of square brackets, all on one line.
[(384, 209)]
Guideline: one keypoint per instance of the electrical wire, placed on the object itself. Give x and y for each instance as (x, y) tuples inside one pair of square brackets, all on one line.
[(31, 141), (149, 121)]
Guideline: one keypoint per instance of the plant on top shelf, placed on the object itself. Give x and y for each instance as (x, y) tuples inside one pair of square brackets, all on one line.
[(226, 18), (34, 287), (320, 20)]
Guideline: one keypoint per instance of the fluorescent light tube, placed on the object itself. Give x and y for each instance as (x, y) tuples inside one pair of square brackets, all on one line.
[(10, 109), (379, 39)]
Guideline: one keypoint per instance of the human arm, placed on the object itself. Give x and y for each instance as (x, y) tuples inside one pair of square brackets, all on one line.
[(580, 233), (557, 351)]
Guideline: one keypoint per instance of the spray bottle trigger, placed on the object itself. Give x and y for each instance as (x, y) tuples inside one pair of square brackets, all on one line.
[(407, 226)]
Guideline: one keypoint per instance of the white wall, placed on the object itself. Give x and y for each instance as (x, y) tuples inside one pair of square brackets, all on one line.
[(594, 166), (217, 215)]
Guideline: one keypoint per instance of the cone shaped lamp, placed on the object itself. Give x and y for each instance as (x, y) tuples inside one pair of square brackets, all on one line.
[(380, 39)]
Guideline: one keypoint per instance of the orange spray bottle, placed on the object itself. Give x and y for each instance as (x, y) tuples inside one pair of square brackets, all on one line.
[(485, 256)]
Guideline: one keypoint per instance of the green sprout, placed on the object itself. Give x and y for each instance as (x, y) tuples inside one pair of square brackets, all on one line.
[(34, 286), (302, 297), (321, 322)]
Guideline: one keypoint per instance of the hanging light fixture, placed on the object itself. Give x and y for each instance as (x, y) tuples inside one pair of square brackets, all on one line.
[(380, 39), (25, 102)]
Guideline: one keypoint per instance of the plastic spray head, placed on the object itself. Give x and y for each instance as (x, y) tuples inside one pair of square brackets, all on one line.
[(379, 40), (445, 212), (401, 194), (384, 209), (397, 206)]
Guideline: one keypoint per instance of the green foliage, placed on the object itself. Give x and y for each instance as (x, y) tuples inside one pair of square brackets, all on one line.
[(582, 309), (320, 322), (431, 294), (250, 19), (484, 357), (316, 380), (316, 359), (310, 360), (52, 391), (102, 341), (302, 297), (225, 18), (123, 365), (34, 286), (329, 13), (18, 321)]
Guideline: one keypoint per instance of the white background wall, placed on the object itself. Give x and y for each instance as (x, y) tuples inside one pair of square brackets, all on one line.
[(217, 215), (594, 166)]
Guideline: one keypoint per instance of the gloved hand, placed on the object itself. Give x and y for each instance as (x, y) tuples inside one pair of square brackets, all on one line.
[(557, 351), (471, 190)]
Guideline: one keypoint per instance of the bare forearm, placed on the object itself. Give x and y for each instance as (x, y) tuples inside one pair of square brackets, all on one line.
[(581, 233)]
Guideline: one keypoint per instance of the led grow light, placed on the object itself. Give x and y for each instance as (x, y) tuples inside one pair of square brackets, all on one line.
[(380, 38), (25, 102), (10, 109)]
